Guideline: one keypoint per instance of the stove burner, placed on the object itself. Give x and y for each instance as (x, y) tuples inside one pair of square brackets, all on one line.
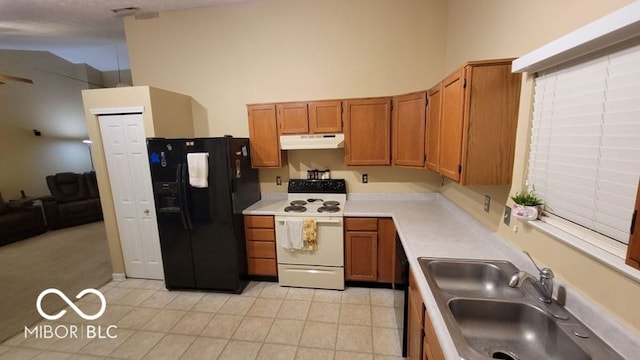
[(330, 203), (328, 209), (298, 203), (295, 208)]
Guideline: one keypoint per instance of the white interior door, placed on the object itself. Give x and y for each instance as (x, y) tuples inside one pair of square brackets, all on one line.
[(125, 149)]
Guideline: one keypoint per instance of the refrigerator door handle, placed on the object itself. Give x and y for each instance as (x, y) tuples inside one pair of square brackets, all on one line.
[(183, 198), (183, 195)]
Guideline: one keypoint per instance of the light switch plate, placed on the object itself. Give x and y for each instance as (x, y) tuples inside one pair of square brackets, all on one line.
[(487, 203)]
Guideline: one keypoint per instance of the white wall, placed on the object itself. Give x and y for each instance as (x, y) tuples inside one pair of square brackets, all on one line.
[(52, 105)]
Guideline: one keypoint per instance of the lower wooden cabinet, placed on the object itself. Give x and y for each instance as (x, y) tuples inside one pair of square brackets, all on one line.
[(415, 335), (422, 343), (431, 345), (261, 245), (369, 249)]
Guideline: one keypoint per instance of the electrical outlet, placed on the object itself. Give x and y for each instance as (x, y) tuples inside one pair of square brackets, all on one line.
[(507, 215), (487, 203), (365, 178), (278, 180)]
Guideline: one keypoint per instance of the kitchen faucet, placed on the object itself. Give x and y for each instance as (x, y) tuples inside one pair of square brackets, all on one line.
[(544, 285)]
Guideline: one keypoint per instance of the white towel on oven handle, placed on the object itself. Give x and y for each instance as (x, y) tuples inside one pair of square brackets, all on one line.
[(292, 234)]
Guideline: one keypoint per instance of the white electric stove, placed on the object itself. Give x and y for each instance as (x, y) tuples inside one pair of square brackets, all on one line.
[(322, 200)]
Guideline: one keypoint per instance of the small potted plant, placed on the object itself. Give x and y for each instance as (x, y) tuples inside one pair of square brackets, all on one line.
[(527, 205)]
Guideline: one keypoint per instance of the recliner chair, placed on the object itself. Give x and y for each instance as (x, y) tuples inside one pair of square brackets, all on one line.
[(74, 201)]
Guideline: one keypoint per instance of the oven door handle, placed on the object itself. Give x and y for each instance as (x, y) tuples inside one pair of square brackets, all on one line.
[(320, 221)]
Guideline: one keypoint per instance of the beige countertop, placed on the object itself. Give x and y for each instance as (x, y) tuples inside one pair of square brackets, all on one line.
[(429, 225)]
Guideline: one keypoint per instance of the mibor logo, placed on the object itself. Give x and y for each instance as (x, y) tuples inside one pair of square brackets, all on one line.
[(103, 304), (64, 331)]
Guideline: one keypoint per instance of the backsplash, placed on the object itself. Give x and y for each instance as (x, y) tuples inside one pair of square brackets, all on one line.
[(381, 179)]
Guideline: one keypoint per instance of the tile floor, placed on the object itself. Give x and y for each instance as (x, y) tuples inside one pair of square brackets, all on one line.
[(265, 322)]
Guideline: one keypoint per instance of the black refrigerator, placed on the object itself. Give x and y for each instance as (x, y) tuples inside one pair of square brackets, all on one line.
[(201, 224)]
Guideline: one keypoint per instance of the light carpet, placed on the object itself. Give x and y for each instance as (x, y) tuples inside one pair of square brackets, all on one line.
[(70, 260)]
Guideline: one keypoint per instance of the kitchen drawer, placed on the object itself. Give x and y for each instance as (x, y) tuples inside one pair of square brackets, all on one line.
[(267, 267), (322, 277), (260, 234), (261, 249), (361, 224), (264, 222)]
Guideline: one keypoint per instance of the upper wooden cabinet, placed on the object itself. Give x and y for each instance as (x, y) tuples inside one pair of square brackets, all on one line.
[(479, 114), (263, 134), (432, 145), (409, 123), (325, 117), (292, 118), (451, 122), (633, 250), (318, 117), (367, 131)]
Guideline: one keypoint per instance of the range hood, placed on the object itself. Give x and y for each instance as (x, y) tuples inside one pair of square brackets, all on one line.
[(311, 141)]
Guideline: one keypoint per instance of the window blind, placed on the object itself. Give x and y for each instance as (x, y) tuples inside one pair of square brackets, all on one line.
[(584, 159)]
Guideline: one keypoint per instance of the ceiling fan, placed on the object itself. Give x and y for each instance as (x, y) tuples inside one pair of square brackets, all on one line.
[(4, 78)]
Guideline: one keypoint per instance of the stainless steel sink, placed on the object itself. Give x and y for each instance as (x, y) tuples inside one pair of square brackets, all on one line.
[(516, 330), (474, 278), (488, 319)]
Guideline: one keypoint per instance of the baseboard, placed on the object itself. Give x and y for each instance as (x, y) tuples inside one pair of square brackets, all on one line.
[(118, 277)]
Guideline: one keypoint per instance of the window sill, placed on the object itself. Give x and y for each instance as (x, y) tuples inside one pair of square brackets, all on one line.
[(608, 258)]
